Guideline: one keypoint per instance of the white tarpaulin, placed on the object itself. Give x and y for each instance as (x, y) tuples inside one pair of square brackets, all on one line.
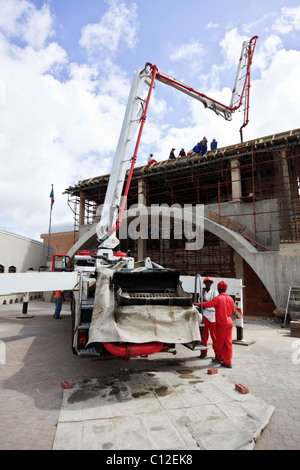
[(139, 323)]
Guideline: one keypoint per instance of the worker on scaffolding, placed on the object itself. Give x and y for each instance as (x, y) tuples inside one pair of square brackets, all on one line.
[(172, 155), (197, 148), (224, 308), (213, 145), (209, 317), (203, 145), (151, 159)]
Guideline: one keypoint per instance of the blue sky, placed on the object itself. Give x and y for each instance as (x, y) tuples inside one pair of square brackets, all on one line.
[(66, 70)]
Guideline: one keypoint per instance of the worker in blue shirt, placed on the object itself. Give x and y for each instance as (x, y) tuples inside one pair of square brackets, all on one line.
[(214, 144), (197, 148)]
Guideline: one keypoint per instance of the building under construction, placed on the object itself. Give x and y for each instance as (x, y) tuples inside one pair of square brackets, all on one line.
[(250, 193)]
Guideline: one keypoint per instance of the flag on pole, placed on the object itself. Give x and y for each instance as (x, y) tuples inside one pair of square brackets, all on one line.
[(52, 197)]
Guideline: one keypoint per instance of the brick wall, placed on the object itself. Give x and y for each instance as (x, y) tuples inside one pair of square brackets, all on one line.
[(63, 241)]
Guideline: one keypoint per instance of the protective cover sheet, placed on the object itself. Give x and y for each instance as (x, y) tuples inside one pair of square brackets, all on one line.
[(139, 323)]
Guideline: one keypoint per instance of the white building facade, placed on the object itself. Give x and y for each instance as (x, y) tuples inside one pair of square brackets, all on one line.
[(20, 254)]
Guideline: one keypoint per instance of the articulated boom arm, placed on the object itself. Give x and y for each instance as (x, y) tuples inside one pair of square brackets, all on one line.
[(209, 103), (135, 115), (237, 97)]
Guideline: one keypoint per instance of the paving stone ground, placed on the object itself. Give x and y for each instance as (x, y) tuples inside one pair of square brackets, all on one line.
[(36, 356), (180, 409)]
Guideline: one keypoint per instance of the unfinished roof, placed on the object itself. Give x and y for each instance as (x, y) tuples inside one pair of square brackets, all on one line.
[(194, 162)]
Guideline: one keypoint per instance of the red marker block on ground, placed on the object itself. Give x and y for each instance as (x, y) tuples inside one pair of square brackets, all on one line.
[(241, 388), (212, 371), (66, 384)]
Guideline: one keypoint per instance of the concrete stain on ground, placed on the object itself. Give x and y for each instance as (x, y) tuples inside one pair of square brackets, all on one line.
[(135, 401), (82, 395)]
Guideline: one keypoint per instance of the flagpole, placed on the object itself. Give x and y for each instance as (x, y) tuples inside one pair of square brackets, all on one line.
[(50, 217)]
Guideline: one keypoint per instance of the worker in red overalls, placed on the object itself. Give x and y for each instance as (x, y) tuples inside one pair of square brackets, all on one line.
[(209, 317), (224, 308)]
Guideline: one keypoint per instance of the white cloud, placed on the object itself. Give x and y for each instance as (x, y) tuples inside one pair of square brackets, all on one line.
[(192, 53), (211, 25), (231, 46), (267, 51), (52, 131), (288, 21), (230, 50), (39, 27), (275, 98), (21, 19), (248, 28), (118, 27)]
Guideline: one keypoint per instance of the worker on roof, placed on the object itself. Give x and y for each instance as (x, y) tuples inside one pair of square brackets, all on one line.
[(209, 316), (203, 144), (182, 153), (151, 159), (197, 148), (172, 154), (224, 308), (213, 144)]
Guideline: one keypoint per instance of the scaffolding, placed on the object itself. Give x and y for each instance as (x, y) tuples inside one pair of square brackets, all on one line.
[(253, 184)]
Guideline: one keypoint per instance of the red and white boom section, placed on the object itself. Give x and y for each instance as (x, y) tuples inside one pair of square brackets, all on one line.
[(240, 91), (135, 116)]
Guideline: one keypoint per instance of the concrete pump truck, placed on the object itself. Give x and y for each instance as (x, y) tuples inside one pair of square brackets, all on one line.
[(121, 306)]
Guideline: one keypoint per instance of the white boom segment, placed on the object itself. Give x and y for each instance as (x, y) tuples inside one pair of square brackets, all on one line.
[(133, 114), (13, 283), (237, 92), (209, 103)]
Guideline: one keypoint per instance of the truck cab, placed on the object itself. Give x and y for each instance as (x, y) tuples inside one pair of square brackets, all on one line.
[(62, 263)]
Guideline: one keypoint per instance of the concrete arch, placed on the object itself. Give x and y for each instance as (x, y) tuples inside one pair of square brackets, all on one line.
[(235, 240), (83, 241), (275, 271)]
